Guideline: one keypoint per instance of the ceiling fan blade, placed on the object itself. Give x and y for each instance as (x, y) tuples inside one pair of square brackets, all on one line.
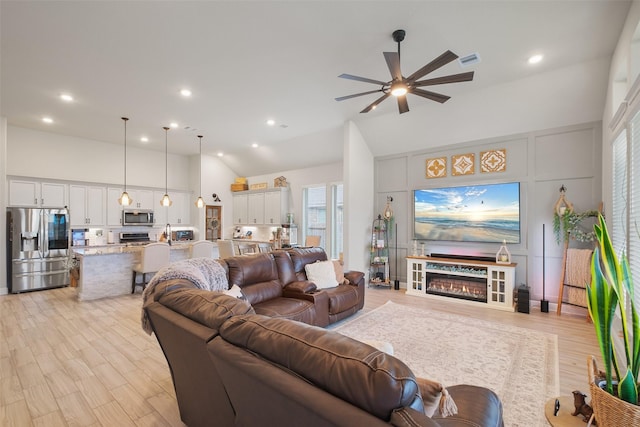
[(453, 78), (440, 61), (393, 62), (342, 98), (362, 79), (375, 103), (431, 95), (403, 105)]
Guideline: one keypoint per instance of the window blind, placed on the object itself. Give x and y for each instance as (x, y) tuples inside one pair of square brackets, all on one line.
[(618, 222), (633, 247)]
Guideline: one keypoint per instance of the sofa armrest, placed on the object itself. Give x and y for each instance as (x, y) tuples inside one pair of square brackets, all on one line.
[(302, 287), (408, 417), (354, 277), (320, 301)]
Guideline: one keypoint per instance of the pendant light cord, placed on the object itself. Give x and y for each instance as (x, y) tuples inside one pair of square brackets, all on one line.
[(125, 119), (200, 137), (166, 161)]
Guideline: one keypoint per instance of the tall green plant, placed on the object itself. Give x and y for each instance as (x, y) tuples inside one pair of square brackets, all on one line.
[(611, 288)]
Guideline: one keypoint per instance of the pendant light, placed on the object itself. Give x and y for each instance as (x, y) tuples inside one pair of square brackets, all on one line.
[(124, 199), (200, 202), (166, 201)]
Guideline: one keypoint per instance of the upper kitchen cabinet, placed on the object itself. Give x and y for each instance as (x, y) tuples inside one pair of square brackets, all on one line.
[(255, 208), (86, 205), (142, 199), (37, 194), (276, 206), (180, 210), (240, 209), (266, 207), (114, 209)]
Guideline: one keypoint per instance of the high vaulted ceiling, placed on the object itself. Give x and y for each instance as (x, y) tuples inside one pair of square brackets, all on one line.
[(246, 62)]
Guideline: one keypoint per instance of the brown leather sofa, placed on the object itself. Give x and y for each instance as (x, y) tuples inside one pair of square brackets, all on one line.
[(232, 367), (275, 284)]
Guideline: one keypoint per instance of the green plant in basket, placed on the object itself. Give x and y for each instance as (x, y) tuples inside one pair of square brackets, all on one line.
[(611, 288)]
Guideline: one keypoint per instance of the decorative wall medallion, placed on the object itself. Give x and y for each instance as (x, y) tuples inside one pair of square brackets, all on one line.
[(437, 167), (493, 160), (463, 164)]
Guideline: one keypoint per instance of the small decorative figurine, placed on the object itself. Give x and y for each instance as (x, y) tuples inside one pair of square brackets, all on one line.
[(581, 406)]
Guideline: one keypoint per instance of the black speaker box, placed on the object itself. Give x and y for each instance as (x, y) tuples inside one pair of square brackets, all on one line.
[(523, 300)]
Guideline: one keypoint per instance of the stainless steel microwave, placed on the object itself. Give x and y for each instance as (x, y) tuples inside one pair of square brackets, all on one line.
[(137, 217)]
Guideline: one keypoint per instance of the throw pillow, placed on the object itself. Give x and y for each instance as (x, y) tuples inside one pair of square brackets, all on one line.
[(234, 291), (435, 396), (337, 266), (322, 274)]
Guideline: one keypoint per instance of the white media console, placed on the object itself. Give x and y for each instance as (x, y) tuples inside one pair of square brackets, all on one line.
[(466, 280)]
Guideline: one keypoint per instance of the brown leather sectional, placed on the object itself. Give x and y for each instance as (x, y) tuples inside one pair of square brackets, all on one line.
[(275, 284), (232, 367)]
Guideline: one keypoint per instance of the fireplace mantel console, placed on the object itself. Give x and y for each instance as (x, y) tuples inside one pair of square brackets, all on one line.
[(466, 280)]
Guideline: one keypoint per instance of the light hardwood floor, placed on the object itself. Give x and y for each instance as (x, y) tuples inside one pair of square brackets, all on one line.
[(70, 363)]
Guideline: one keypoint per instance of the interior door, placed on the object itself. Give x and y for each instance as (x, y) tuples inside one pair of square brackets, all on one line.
[(213, 222)]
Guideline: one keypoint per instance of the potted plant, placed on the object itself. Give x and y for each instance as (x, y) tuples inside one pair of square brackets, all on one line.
[(610, 292)]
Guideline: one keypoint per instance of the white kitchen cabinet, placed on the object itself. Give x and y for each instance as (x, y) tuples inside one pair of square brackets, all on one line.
[(240, 213), (255, 208), (86, 205), (142, 199), (37, 194), (178, 213), (275, 206), (260, 207), (114, 209)]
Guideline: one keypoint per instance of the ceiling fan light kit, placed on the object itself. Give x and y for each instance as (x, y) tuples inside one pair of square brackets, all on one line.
[(399, 86)]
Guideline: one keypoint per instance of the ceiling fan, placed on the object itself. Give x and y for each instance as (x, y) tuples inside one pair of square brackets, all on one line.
[(399, 85)]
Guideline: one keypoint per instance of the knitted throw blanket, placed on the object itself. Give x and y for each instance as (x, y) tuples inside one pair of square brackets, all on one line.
[(204, 273)]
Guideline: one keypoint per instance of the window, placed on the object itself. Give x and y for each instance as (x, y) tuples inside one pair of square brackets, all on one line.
[(337, 218), (625, 224), (315, 213), (322, 213)]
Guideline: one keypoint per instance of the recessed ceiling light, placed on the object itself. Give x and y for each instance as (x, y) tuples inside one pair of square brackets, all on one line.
[(47, 120), (535, 59), (66, 97), (271, 122), (173, 125), (220, 154), (254, 145), (185, 92), (144, 139)]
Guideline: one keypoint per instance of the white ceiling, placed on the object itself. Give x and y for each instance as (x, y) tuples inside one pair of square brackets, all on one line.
[(246, 62)]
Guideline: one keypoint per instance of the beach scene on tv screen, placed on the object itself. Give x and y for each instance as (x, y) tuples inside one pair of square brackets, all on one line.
[(476, 213)]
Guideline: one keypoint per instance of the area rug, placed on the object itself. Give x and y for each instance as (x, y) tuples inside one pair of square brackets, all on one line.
[(520, 365)]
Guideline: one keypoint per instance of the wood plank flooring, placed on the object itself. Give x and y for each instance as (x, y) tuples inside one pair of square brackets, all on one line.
[(70, 363)]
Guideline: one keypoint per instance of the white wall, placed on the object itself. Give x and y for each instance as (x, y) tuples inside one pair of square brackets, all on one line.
[(358, 199), (621, 79), (3, 206), (39, 154)]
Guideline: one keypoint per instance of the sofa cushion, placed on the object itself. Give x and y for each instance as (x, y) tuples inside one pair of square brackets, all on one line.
[(351, 370), (322, 274), (206, 307), (288, 308), (303, 256), (256, 275)]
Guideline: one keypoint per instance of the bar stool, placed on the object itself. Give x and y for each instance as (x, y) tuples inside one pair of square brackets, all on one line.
[(264, 247), (153, 257), (312, 241), (201, 249), (226, 249), (247, 248)]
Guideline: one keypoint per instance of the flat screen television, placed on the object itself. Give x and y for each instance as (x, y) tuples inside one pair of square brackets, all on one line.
[(488, 213)]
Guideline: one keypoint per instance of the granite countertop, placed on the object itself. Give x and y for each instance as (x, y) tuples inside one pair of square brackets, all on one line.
[(121, 249)]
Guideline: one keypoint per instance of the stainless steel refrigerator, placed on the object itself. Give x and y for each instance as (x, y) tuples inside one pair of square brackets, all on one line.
[(37, 249)]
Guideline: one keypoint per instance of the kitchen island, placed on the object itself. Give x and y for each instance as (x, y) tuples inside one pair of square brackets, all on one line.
[(106, 271)]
